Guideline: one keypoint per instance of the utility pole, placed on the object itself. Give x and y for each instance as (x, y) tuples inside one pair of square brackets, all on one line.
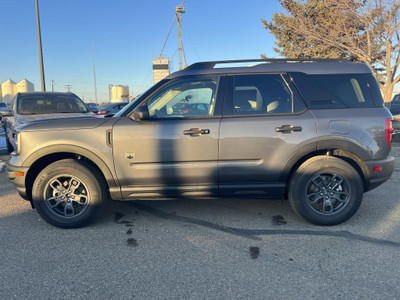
[(68, 87), (40, 47), (94, 74), (52, 85), (179, 10)]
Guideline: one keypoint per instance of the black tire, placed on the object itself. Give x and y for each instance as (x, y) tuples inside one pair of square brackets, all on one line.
[(10, 147), (325, 190), (79, 191)]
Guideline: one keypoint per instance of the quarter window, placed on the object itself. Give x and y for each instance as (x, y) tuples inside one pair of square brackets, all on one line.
[(185, 98), (261, 94), (334, 90)]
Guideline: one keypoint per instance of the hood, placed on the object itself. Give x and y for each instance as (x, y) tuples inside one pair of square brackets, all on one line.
[(65, 123), (23, 119)]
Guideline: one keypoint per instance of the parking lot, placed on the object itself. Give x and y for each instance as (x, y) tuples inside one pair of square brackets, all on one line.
[(202, 249)]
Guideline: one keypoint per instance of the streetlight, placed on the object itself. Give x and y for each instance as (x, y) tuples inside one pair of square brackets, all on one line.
[(40, 47)]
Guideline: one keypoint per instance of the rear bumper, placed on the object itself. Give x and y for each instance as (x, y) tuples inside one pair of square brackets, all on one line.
[(376, 178), (18, 181)]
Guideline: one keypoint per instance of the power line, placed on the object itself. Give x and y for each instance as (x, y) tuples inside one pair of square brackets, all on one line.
[(169, 31)]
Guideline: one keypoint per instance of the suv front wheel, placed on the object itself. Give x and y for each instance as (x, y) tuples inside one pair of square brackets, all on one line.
[(325, 190), (68, 193)]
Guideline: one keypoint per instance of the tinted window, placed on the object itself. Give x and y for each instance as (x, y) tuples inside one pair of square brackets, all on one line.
[(2, 104), (261, 94), (191, 97), (396, 99), (50, 104), (375, 90), (334, 91)]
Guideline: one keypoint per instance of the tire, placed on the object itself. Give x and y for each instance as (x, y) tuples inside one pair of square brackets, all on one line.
[(10, 147), (325, 190), (69, 193)]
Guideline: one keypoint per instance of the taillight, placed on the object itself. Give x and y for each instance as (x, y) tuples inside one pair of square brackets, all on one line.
[(389, 131), (104, 112)]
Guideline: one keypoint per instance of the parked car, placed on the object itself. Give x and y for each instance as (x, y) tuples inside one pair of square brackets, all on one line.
[(29, 107), (93, 107), (395, 105), (4, 110), (313, 131), (110, 108)]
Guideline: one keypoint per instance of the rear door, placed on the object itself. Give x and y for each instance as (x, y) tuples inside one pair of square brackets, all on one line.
[(265, 127), (175, 152)]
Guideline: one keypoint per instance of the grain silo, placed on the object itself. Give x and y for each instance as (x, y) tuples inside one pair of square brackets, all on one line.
[(25, 86), (161, 67), (8, 90), (119, 93)]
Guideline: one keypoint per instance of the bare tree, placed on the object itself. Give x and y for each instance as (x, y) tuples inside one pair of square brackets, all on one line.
[(360, 30)]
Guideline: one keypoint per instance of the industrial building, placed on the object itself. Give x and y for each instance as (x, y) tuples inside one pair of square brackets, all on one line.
[(9, 89), (119, 93), (161, 69)]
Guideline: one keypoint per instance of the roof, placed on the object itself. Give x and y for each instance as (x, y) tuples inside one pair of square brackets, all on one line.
[(45, 93), (315, 66)]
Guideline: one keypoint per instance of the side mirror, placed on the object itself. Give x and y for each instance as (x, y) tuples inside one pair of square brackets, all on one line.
[(141, 113)]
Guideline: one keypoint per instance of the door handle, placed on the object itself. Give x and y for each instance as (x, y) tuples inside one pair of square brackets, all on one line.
[(196, 131), (288, 128)]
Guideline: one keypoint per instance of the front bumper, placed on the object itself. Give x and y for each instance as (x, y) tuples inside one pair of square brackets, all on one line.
[(18, 180), (376, 178)]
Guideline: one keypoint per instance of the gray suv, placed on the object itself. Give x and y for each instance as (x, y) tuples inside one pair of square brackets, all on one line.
[(313, 131), (28, 107)]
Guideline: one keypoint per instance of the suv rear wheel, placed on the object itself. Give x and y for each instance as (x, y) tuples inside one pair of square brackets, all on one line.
[(68, 193), (325, 190)]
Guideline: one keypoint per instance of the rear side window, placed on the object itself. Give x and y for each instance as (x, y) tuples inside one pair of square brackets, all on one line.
[(375, 90), (334, 91), (261, 94)]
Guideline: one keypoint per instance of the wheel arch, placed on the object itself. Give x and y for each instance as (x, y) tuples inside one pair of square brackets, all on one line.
[(350, 157), (44, 157)]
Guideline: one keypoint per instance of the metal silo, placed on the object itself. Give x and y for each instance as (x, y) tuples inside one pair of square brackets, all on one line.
[(25, 86), (119, 93), (8, 89)]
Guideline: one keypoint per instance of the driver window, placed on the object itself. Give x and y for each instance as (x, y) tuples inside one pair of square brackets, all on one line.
[(191, 97)]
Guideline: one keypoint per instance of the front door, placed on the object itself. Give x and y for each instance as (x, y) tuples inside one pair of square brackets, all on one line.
[(175, 152)]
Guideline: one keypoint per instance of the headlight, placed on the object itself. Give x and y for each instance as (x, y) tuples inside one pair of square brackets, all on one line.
[(17, 143)]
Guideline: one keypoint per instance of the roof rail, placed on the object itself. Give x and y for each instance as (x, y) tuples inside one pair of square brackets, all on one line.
[(211, 64)]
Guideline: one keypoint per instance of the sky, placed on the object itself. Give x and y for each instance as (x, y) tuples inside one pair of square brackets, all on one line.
[(125, 36)]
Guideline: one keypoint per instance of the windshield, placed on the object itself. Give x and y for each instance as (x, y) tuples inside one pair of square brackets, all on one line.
[(3, 104), (126, 107), (50, 104), (106, 106)]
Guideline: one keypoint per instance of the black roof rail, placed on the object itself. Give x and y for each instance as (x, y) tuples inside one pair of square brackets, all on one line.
[(211, 64)]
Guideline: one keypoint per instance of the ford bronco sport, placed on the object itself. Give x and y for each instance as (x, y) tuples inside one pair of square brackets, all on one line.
[(28, 107), (314, 131)]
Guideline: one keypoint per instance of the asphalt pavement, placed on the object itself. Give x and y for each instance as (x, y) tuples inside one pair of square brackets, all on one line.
[(202, 249)]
